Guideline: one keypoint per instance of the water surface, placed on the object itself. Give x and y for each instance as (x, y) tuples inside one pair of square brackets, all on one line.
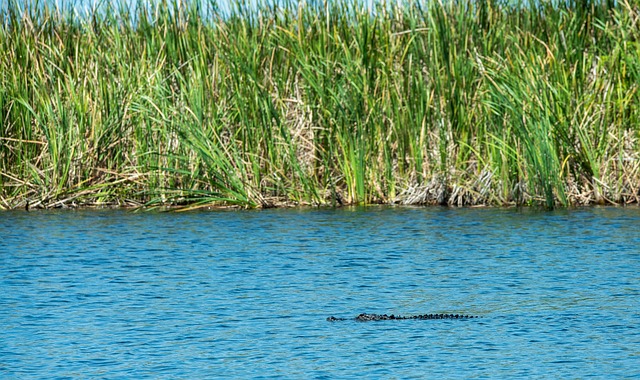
[(245, 294)]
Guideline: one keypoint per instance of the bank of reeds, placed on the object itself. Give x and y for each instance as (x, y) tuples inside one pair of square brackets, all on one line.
[(444, 102)]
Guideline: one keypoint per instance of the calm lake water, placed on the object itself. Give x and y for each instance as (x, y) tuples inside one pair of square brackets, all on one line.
[(245, 294)]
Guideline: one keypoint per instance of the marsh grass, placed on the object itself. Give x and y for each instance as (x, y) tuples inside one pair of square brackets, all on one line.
[(443, 102)]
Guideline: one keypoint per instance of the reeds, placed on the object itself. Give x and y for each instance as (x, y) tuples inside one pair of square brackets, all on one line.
[(443, 102)]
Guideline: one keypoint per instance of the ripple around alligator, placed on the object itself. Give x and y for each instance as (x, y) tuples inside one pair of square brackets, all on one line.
[(365, 317), (113, 294)]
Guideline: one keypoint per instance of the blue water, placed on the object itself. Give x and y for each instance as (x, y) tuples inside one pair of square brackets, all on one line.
[(246, 294)]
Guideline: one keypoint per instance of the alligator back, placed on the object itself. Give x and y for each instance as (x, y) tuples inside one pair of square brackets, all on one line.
[(364, 317)]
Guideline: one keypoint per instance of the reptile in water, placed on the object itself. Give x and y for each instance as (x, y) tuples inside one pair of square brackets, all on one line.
[(364, 317)]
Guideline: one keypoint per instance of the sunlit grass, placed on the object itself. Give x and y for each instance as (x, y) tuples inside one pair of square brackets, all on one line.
[(460, 103)]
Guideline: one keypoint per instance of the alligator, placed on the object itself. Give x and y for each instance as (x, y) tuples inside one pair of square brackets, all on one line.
[(364, 317)]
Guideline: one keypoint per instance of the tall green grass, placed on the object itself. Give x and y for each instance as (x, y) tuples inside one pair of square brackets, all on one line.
[(440, 102)]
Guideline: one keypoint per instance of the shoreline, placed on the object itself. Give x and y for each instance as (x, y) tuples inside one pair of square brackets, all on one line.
[(132, 205)]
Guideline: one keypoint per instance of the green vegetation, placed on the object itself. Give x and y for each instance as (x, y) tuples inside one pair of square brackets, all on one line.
[(450, 102)]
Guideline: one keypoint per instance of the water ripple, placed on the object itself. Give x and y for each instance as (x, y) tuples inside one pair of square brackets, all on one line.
[(114, 294)]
